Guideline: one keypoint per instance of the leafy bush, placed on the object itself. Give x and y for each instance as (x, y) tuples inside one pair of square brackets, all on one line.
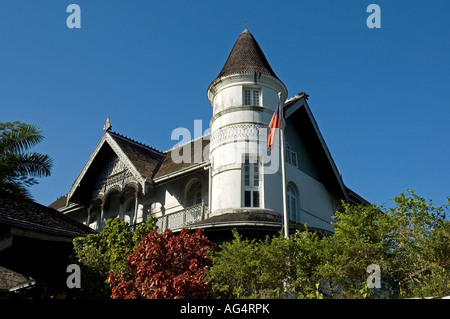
[(165, 266)]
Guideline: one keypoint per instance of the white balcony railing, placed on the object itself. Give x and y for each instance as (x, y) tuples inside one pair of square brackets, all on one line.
[(183, 218)]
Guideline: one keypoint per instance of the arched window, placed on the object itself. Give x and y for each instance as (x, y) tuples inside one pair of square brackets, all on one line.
[(128, 215), (292, 202), (194, 194), (112, 206)]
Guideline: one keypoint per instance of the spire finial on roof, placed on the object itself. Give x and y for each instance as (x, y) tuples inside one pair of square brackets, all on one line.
[(245, 23), (107, 126)]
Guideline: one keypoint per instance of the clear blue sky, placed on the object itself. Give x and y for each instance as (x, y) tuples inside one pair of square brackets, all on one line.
[(380, 96)]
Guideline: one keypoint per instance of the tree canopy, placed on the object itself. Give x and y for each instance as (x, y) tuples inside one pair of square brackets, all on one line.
[(106, 252), (409, 244)]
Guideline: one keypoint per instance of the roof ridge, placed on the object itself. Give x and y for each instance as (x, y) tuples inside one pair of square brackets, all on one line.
[(298, 96), (291, 100), (136, 142)]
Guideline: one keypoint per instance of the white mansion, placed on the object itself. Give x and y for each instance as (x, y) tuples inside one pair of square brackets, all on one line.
[(223, 181)]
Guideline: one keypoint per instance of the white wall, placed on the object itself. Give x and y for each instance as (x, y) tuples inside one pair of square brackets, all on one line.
[(316, 202), (235, 132), (169, 197)]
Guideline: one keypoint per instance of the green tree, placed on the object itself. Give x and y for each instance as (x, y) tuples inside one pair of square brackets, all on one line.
[(359, 240), (106, 252), (306, 255), (272, 268), (19, 168), (419, 252), (408, 242), (235, 269)]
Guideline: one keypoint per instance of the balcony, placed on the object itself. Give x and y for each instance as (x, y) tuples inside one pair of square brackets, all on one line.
[(183, 218)]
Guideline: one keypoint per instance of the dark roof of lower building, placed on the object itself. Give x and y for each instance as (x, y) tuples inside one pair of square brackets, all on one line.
[(10, 279), (29, 215)]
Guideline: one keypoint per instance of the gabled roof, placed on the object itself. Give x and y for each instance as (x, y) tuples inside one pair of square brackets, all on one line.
[(145, 159), (141, 160), (298, 109), (246, 57), (144, 162)]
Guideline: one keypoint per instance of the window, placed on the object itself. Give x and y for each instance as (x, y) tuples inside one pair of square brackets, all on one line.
[(252, 96), (194, 194), (292, 202), (129, 213), (251, 172), (291, 156)]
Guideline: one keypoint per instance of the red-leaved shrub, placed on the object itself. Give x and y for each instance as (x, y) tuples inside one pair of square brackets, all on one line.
[(166, 266)]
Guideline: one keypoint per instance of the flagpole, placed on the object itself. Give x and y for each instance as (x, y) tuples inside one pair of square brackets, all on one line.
[(283, 169)]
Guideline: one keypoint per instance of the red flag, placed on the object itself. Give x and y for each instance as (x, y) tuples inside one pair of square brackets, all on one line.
[(275, 123)]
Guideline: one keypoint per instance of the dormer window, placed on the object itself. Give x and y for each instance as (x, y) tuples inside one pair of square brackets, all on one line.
[(252, 96)]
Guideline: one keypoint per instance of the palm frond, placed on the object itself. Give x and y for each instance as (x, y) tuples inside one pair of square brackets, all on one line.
[(18, 168), (17, 137), (34, 164)]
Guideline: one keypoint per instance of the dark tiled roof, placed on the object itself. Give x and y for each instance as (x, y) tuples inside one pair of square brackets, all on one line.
[(246, 216), (246, 57), (145, 159), (253, 216), (249, 217), (26, 214), (170, 165), (10, 279), (59, 203), (151, 163)]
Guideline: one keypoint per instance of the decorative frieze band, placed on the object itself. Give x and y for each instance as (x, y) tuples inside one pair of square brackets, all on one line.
[(236, 132), (119, 180)]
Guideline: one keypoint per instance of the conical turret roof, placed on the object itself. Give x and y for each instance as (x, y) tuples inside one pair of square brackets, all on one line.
[(246, 57)]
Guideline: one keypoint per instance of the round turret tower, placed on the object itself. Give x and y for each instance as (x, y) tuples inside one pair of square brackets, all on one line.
[(243, 97)]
